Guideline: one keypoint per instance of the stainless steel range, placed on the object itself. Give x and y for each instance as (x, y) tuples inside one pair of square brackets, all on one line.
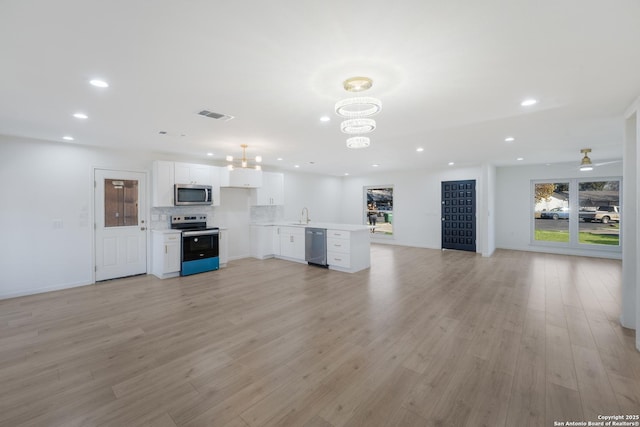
[(199, 250)]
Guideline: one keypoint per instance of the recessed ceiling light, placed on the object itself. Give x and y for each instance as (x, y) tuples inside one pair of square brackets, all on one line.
[(451, 163), (509, 139), (279, 158), (375, 165), (209, 154), (520, 158), (296, 166), (325, 118), (346, 174), (80, 116), (419, 149), (67, 138), (99, 83), (528, 102)]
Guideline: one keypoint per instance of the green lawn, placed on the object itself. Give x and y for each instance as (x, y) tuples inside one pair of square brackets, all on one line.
[(599, 239), (552, 236), (584, 237)]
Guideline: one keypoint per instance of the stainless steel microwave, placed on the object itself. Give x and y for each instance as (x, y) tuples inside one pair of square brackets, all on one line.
[(191, 194)]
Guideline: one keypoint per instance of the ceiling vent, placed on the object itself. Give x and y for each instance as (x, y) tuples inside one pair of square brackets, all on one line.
[(217, 116)]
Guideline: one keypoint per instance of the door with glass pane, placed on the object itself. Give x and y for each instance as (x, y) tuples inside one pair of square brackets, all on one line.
[(121, 237)]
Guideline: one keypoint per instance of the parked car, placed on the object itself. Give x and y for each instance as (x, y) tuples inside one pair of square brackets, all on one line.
[(604, 214), (555, 213)]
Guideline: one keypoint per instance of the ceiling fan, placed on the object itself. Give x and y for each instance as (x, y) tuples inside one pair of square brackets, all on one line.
[(586, 164)]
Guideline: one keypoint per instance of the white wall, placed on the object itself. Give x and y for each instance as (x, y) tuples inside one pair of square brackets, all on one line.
[(44, 184), (320, 194), (513, 204), (630, 317), (416, 202), (487, 210), (233, 213)]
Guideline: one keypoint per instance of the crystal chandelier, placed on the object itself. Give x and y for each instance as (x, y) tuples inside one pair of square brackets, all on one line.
[(357, 111), (244, 161)]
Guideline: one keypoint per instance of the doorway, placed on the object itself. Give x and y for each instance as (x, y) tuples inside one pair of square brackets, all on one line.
[(459, 215), (120, 226)]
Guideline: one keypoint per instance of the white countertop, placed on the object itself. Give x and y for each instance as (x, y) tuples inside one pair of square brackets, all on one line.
[(173, 230), (327, 225)]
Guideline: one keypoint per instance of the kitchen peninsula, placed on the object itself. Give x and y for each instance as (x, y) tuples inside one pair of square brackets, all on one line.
[(347, 244)]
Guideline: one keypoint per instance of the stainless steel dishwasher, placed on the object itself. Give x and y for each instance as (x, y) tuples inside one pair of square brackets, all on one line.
[(315, 245)]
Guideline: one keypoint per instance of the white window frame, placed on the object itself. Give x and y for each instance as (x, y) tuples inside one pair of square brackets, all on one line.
[(574, 206)]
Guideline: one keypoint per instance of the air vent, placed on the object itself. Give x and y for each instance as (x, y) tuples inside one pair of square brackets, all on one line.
[(217, 116)]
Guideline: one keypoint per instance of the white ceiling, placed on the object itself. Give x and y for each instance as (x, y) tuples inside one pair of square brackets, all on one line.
[(451, 76)]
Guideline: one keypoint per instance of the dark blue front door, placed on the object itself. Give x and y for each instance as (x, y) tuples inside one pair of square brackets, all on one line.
[(459, 215)]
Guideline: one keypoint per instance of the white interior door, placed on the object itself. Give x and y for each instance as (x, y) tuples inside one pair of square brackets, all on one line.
[(121, 236)]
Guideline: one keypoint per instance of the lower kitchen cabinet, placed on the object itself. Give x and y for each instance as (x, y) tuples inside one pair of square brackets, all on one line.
[(262, 241), (223, 247), (348, 251), (292, 243), (165, 248)]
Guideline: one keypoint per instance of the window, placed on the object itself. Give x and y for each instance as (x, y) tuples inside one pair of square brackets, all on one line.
[(120, 203), (379, 210), (577, 213), (599, 212), (552, 211)]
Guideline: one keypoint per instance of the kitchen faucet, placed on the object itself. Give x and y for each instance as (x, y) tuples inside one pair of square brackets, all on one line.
[(302, 217)]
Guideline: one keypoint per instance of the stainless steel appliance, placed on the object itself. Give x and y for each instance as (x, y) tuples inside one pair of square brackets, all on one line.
[(199, 249), (315, 245), (192, 194)]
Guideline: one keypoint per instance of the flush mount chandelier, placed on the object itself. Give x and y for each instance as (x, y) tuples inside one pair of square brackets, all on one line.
[(357, 110), (585, 164), (244, 161), (358, 142), (356, 126)]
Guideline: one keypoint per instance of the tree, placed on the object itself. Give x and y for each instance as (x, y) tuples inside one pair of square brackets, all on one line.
[(592, 186), (544, 192)]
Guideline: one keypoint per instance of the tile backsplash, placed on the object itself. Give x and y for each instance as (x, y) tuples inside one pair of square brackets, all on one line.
[(266, 213), (160, 217)]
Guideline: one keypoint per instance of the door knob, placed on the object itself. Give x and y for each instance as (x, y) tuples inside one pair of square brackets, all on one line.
[(143, 228)]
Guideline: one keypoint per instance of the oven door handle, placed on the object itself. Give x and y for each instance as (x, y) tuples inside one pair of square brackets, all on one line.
[(200, 233)]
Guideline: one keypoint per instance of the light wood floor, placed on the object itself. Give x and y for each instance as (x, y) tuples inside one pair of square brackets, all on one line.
[(423, 338)]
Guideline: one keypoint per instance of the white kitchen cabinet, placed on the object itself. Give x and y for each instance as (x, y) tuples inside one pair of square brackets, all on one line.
[(271, 192), (275, 240), (241, 177), (339, 248), (215, 184), (166, 174), (292, 243), (191, 173), (223, 247), (262, 242), (348, 251), (162, 181), (165, 246)]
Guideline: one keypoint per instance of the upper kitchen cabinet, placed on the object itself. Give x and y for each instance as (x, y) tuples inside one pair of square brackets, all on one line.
[(241, 177), (189, 173), (271, 192), (215, 183), (166, 174), (162, 184)]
